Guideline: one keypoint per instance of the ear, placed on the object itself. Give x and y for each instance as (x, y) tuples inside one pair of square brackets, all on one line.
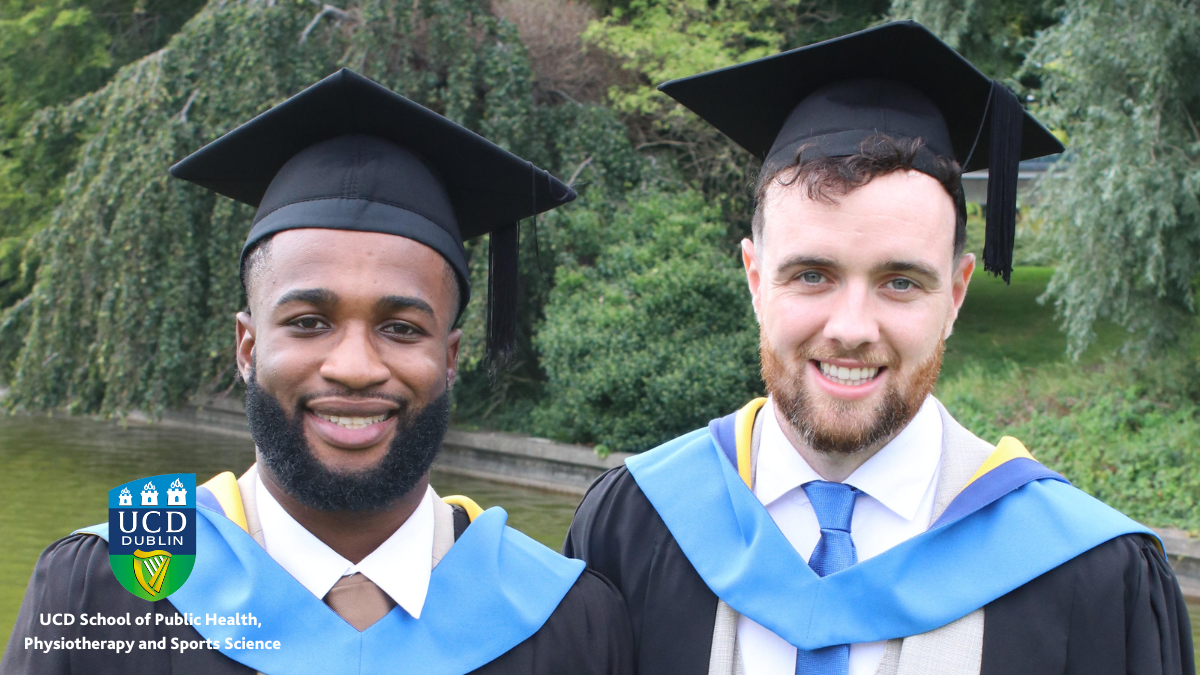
[(960, 279), (245, 345), (753, 275), (453, 341)]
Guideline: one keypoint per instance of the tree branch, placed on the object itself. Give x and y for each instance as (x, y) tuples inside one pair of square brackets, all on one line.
[(654, 144), (579, 169), (326, 10), (186, 106), (1192, 123)]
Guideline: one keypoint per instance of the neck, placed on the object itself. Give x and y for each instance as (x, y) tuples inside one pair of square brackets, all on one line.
[(352, 534), (834, 467)]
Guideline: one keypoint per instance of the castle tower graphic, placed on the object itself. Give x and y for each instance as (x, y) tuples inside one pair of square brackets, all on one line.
[(149, 495), (126, 498), (177, 494)]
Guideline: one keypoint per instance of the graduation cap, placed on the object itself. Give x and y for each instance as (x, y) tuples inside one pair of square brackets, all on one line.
[(350, 154), (897, 79)]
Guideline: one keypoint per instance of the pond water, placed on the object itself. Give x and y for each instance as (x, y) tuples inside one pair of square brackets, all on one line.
[(55, 474)]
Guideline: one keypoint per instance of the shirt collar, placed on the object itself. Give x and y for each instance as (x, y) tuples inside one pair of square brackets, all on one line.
[(400, 566), (897, 476)]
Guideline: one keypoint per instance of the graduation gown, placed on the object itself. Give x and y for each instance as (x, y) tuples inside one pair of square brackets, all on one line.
[(1114, 608), (587, 632)]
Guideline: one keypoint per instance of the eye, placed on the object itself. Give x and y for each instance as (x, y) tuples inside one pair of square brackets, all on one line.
[(811, 277), (309, 323), (901, 284), (402, 330)]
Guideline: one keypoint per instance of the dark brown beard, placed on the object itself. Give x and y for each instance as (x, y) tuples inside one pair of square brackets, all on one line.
[(849, 432)]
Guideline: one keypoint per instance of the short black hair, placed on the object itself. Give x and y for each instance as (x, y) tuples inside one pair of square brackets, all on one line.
[(826, 179)]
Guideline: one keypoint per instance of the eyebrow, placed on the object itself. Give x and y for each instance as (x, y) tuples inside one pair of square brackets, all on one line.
[(807, 261), (395, 303), (892, 267), (909, 267), (312, 296)]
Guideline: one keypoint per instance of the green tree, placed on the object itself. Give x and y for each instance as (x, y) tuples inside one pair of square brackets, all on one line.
[(133, 299), (649, 332), (658, 40), (994, 35), (1122, 212), (51, 52)]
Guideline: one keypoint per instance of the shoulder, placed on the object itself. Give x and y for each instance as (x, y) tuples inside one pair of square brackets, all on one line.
[(589, 633), (74, 557), (1108, 579), (616, 489), (1125, 562), (594, 595), (73, 573), (1113, 609), (613, 511)]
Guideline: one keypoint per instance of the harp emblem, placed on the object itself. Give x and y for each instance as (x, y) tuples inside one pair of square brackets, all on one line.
[(150, 569)]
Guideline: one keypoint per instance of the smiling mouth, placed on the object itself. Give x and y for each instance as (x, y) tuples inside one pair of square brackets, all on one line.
[(852, 377), (347, 422)]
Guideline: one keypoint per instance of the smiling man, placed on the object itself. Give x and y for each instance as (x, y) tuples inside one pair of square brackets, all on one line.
[(847, 524), (333, 554)]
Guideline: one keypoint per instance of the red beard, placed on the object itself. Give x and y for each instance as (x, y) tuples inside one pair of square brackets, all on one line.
[(846, 427)]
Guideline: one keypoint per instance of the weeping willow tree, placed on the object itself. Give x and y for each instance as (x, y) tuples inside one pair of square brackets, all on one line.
[(132, 305), (1123, 211)]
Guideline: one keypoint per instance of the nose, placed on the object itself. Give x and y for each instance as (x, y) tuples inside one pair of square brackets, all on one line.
[(354, 362), (851, 322)]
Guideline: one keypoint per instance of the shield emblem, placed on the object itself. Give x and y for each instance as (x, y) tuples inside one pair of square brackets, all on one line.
[(152, 533)]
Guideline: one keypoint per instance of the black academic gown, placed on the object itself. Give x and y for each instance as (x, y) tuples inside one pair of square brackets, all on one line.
[(588, 633), (1114, 610)]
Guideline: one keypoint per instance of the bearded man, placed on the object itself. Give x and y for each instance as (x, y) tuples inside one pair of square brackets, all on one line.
[(333, 554), (847, 524)]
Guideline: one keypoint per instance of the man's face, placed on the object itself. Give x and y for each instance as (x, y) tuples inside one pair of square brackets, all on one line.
[(854, 301), (351, 332)]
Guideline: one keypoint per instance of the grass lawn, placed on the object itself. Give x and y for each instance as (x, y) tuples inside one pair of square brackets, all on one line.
[(1001, 323), (1121, 428)]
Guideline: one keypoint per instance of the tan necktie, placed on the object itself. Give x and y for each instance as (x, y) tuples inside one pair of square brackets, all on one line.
[(359, 601)]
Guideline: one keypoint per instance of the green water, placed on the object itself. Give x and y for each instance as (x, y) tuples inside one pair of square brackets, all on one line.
[(55, 474)]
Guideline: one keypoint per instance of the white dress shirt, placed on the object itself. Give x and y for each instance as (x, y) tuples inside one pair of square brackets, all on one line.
[(898, 486), (400, 566)]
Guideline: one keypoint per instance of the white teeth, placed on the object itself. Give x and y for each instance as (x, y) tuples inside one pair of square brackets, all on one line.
[(353, 422), (848, 376)]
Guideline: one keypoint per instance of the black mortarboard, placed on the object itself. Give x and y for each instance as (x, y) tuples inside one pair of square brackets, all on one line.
[(350, 154), (897, 79)]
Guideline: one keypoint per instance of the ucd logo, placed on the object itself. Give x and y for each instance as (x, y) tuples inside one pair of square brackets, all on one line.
[(152, 539)]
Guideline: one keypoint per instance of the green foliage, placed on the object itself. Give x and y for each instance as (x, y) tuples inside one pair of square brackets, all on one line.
[(1124, 432), (994, 35), (657, 40), (1123, 211), (133, 303), (668, 39), (52, 52), (649, 332)]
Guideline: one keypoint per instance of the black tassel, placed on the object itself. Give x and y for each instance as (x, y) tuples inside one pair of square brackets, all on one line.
[(1005, 158), (503, 243)]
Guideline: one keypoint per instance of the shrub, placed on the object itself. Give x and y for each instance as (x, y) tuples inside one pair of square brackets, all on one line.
[(654, 335), (1125, 432)]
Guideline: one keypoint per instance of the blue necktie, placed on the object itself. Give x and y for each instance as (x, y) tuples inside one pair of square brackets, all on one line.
[(834, 505)]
